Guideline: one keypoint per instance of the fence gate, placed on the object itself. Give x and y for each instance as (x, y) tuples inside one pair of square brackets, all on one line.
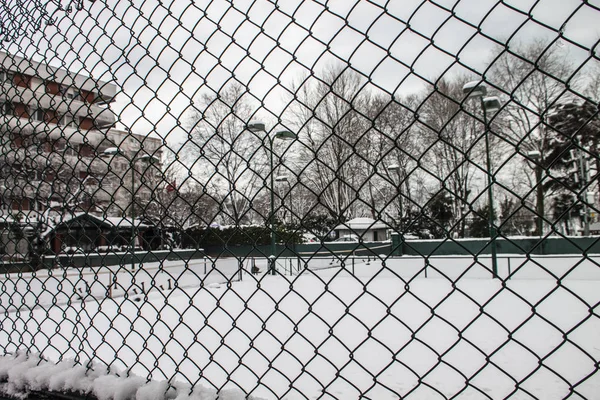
[(300, 199)]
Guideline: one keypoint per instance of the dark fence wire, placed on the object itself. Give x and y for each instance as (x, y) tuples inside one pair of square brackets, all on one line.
[(141, 139)]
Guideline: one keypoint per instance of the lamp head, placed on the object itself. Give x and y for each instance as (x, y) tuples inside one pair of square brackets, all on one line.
[(393, 167), (285, 135), (474, 89), (534, 154), (281, 178), (491, 104), (148, 158), (255, 126)]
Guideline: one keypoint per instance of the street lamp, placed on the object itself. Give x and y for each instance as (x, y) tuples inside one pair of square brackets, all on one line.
[(115, 151), (281, 135), (536, 156), (283, 178), (488, 104), (584, 195), (396, 168)]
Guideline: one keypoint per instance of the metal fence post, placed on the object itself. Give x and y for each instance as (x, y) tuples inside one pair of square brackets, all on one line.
[(396, 244)]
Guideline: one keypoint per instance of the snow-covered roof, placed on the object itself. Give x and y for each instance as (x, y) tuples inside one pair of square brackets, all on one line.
[(107, 90), (108, 222), (363, 223), (123, 222)]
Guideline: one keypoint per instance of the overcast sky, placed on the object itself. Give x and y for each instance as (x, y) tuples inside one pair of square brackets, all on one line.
[(162, 54)]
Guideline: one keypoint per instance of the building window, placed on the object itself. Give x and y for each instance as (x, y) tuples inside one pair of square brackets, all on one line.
[(67, 92), (88, 97), (7, 76), (4, 204), (22, 80), (59, 145), (67, 120), (38, 114), (86, 123), (36, 175), (86, 150), (8, 109), (17, 140), (51, 117), (72, 149), (52, 87), (16, 109)]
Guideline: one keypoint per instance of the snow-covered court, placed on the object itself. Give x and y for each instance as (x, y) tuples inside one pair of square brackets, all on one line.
[(375, 328)]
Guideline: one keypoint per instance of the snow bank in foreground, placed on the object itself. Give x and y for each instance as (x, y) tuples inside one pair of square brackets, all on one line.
[(22, 373)]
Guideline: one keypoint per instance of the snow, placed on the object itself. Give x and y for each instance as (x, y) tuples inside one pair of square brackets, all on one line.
[(65, 286), (23, 373), (372, 328), (362, 223)]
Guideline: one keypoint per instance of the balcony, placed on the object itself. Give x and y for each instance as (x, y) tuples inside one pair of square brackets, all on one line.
[(99, 112), (50, 131)]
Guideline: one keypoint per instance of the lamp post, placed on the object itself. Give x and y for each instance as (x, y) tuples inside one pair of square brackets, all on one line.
[(584, 195), (536, 156), (396, 168), (283, 178), (488, 104), (115, 151), (282, 135)]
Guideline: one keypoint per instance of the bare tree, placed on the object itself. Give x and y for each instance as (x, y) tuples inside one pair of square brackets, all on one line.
[(393, 148), (454, 153), (534, 77), (228, 159), (330, 115)]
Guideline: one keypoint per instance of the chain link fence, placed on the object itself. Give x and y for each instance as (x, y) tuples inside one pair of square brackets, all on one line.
[(300, 199)]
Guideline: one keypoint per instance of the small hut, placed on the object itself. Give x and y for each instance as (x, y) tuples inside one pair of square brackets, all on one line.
[(85, 232), (367, 229)]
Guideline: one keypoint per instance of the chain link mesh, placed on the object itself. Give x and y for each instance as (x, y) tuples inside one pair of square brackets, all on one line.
[(304, 199)]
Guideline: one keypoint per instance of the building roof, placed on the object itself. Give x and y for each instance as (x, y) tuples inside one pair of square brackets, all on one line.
[(10, 62), (106, 222), (362, 223), (123, 222)]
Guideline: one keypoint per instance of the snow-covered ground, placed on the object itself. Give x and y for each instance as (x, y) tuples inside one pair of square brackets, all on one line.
[(372, 329), (67, 285)]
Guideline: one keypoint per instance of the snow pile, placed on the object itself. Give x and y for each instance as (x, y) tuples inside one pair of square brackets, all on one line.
[(21, 374)]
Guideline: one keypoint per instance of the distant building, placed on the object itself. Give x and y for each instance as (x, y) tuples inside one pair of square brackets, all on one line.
[(367, 229), (83, 232)]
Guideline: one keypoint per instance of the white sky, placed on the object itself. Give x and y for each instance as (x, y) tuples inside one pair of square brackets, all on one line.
[(162, 54)]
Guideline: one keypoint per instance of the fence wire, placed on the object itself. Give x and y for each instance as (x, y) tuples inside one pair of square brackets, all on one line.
[(301, 199)]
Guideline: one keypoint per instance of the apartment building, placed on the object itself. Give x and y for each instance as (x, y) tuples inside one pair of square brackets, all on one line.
[(52, 123), (55, 126)]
